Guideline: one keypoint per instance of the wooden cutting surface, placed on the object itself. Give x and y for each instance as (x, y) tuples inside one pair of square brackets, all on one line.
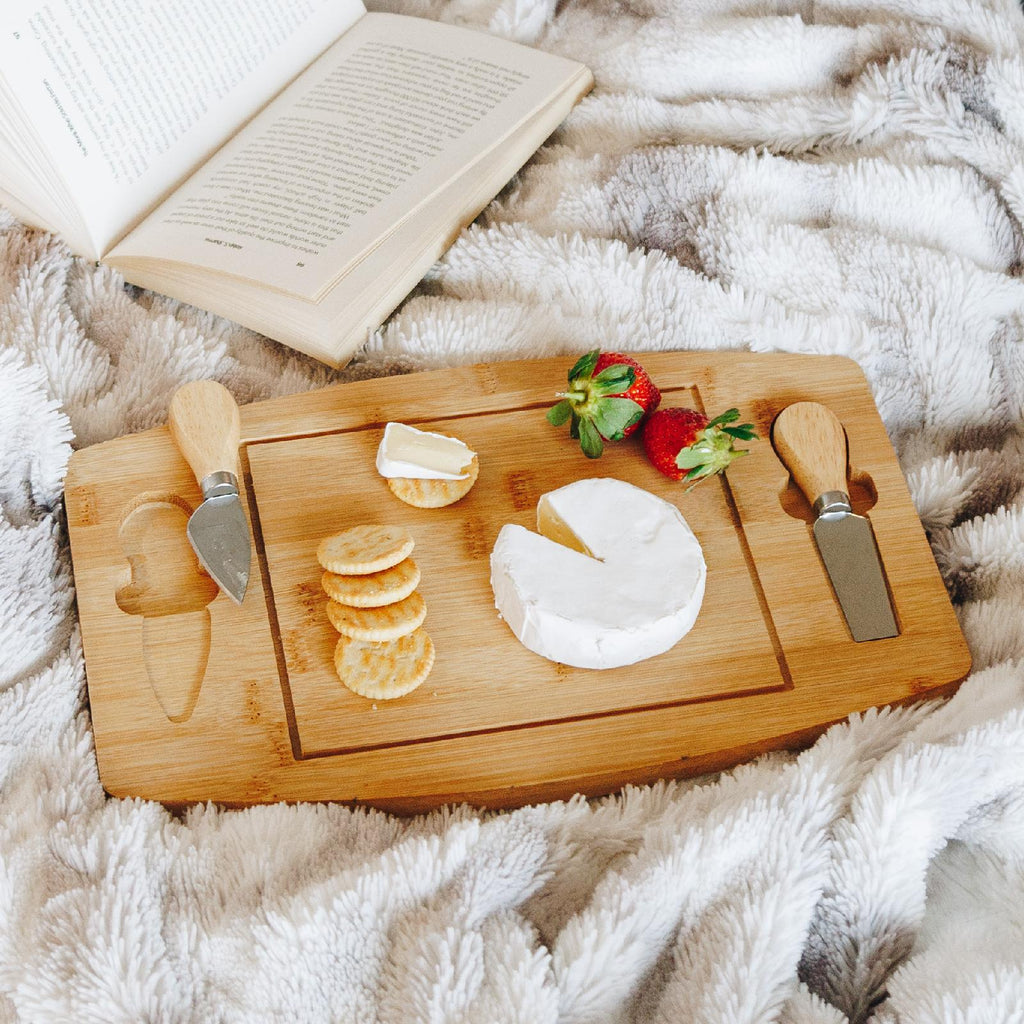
[(194, 698)]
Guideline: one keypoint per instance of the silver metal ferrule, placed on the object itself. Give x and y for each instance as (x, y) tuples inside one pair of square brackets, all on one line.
[(219, 484), (832, 501)]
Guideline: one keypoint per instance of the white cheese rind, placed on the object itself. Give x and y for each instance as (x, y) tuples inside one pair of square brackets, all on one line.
[(415, 454), (637, 597)]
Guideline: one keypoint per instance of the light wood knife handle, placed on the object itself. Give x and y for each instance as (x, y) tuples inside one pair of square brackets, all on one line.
[(811, 442), (206, 427)]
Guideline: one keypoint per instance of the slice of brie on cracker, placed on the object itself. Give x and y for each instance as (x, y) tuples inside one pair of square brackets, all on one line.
[(614, 575), (414, 454)]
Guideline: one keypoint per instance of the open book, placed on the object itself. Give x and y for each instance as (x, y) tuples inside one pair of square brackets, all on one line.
[(293, 165)]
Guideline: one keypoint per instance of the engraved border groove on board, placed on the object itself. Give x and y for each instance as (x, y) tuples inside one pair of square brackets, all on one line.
[(678, 395)]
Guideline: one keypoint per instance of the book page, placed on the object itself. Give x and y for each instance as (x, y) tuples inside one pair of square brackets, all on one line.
[(335, 327), (381, 123), (131, 97)]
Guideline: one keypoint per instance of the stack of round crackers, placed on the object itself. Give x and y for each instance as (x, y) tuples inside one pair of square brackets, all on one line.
[(371, 582)]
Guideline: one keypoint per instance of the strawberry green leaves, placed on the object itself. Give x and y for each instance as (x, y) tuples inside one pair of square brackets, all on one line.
[(590, 439), (607, 397), (615, 415), (712, 451), (558, 414), (743, 432)]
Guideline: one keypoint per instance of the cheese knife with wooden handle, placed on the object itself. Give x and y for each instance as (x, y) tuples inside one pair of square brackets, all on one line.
[(811, 442), (206, 427)]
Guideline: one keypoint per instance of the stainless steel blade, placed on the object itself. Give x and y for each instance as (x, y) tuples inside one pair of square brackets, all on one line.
[(847, 545), (219, 536)]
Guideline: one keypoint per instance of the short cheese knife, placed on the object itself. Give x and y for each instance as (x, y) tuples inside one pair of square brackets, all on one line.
[(206, 427), (811, 443)]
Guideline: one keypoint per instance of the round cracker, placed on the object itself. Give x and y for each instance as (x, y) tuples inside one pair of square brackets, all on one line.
[(383, 671), (388, 622), (361, 550), (434, 493), (375, 588)]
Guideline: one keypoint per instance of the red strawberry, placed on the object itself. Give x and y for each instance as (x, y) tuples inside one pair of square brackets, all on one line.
[(685, 445), (609, 394)]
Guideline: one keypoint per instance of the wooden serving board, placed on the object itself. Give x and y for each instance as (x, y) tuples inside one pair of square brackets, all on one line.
[(194, 698)]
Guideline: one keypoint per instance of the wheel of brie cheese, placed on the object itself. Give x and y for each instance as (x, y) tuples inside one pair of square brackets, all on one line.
[(614, 575)]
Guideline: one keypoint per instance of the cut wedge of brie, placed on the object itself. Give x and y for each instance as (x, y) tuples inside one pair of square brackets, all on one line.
[(614, 575), (414, 454)]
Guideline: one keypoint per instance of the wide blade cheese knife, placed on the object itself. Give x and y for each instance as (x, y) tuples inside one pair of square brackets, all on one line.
[(811, 442), (206, 427)]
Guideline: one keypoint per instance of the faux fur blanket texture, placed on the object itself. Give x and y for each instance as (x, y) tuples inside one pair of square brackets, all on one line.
[(839, 176)]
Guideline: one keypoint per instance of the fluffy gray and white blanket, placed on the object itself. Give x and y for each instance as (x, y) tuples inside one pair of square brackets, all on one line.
[(809, 175)]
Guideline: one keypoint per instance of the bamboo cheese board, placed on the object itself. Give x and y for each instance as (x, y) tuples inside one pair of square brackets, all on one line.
[(195, 698)]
